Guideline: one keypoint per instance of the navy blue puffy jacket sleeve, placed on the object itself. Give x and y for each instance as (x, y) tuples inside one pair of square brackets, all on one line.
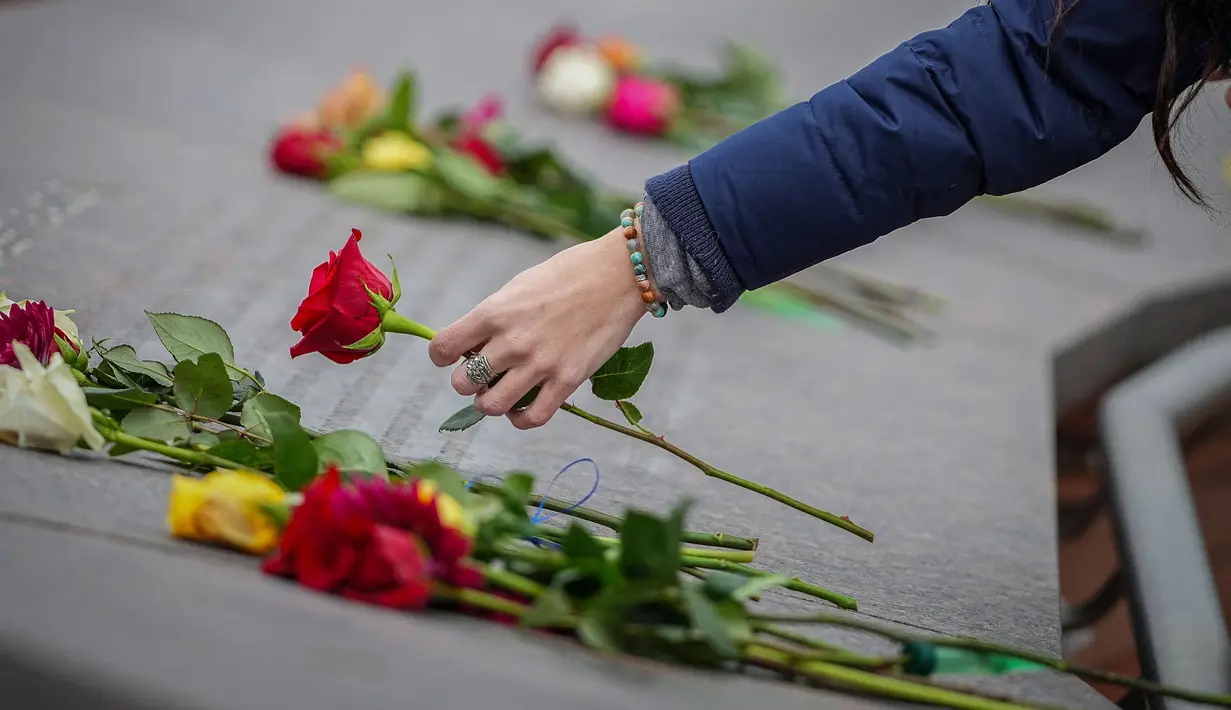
[(985, 105)]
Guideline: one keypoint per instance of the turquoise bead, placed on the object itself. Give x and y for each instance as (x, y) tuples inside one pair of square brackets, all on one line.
[(627, 214), (636, 257), (632, 245), (638, 209), (638, 269), (626, 221), (657, 310)]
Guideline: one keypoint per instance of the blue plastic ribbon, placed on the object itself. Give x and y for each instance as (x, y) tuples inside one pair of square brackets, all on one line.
[(539, 515)]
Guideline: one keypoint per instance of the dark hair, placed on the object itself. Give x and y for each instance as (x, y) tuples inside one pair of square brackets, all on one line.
[(1194, 30)]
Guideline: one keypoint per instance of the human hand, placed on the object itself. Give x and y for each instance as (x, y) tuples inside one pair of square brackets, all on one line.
[(552, 325)]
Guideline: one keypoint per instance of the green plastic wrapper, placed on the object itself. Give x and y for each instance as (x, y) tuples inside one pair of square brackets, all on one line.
[(927, 659)]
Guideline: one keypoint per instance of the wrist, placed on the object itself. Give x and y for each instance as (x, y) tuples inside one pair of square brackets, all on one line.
[(629, 305)]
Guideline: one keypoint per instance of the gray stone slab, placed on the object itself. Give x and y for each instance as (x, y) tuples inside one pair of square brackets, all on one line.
[(98, 600), (945, 451)]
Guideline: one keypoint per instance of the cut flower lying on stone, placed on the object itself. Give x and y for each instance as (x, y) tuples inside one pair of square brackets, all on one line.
[(41, 405), (338, 514), (230, 508)]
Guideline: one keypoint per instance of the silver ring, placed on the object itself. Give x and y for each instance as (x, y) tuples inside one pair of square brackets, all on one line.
[(479, 371)]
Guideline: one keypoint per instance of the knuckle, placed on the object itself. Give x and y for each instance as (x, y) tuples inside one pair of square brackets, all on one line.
[(490, 405), (537, 417)]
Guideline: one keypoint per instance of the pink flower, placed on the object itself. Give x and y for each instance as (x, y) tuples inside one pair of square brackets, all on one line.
[(488, 109), (32, 325), (643, 105), (472, 140)]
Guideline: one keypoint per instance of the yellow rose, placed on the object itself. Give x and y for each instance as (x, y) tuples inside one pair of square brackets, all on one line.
[(224, 508), (395, 152), (452, 514)]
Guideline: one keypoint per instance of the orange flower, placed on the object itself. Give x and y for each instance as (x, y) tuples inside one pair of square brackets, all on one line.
[(621, 54), (351, 103)]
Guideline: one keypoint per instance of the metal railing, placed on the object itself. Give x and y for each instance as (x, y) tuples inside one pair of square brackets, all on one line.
[(1177, 617)]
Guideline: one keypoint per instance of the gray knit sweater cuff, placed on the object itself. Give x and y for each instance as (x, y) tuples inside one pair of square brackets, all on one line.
[(679, 278)]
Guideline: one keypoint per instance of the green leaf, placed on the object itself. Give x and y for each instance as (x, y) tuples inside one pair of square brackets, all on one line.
[(400, 113), (446, 479), (295, 462), (706, 619), (621, 376), (753, 586), (244, 453), (462, 419), (552, 608), (203, 387), (352, 451), (190, 337), (395, 192), (204, 438), (466, 176), (631, 413), (124, 357), (596, 627), (109, 375), (579, 544), (118, 400), (649, 549), (156, 424), (721, 585), (256, 411)]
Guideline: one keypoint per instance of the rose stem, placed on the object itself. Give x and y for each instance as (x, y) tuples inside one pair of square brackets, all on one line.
[(831, 655), (193, 458), (872, 683), (557, 535), (550, 559), (616, 524), (392, 322), (512, 581), (969, 644), (713, 472), (795, 584), (479, 600), (238, 429)]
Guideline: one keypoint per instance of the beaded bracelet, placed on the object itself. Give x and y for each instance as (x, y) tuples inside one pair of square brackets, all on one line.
[(636, 254)]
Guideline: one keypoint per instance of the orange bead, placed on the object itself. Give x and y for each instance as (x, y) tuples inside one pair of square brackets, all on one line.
[(647, 296), (630, 232), (643, 285)]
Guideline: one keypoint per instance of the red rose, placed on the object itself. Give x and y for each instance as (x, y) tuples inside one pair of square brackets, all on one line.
[(33, 325), (302, 151), (410, 507), (344, 553), (338, 310), (559, 36)]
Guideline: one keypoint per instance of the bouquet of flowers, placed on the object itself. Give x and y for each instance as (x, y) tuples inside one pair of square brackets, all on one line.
[(369, 148), (608, 77), (334, 512)]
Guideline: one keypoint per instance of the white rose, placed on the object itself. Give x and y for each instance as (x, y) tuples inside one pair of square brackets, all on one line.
[(66, 326), (576, 80), (44, 407)]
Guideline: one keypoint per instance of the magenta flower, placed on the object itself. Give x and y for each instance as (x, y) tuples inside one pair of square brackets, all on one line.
[(33, 325)]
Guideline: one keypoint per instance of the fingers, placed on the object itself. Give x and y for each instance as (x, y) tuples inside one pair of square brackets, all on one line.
[(466, 334), (551, 395), (501, 397)]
